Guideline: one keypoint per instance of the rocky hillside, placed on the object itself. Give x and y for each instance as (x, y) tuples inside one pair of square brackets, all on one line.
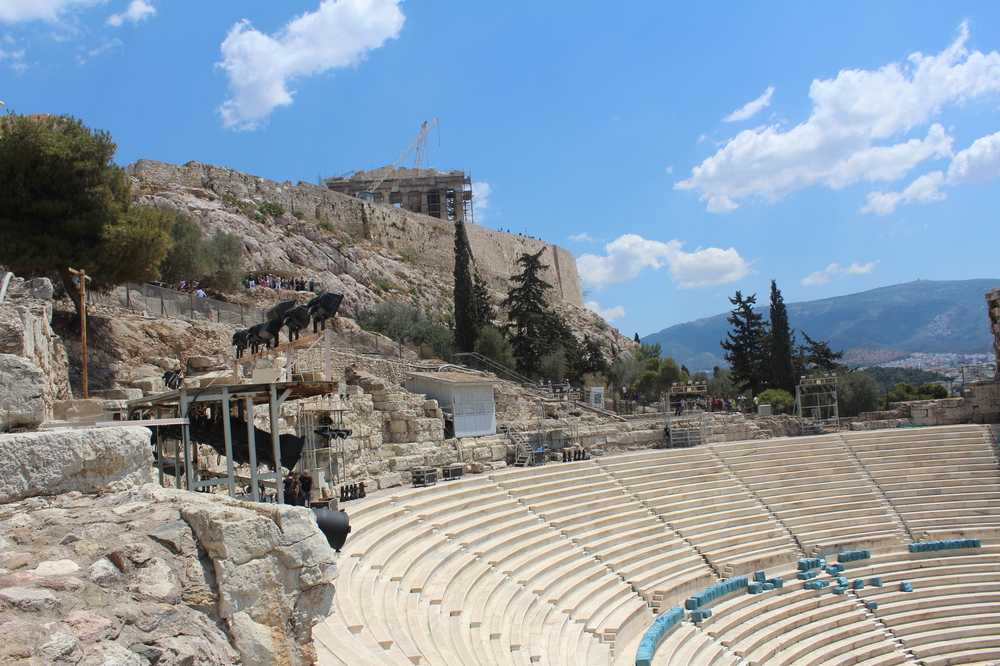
[(368, 252)]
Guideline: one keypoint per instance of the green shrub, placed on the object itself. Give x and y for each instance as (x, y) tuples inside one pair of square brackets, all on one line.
[(781, 402), (326, 226), (271, 209), (380, 285), (298, 214)]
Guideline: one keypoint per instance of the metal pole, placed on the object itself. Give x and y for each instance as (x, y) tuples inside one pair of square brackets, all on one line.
[(252, 451), (228, 436), (83, 278)]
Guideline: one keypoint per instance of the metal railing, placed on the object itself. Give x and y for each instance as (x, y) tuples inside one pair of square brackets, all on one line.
[(162, 302)]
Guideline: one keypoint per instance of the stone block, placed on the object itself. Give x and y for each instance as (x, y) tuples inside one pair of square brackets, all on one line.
[(60, 461), (22, 393), (389, 480), (149, 385), (200, 363), (165, 363), (397, 426), (79, 410)]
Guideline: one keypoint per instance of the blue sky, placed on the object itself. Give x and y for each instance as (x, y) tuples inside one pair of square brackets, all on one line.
[(681, 150)]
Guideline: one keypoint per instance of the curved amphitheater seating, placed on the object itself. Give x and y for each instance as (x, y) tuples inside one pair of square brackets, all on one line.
[(569, 563)]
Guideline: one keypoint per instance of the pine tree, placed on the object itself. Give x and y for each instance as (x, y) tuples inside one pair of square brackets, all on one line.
[(466, 329), (816, 354), (743, 344), (780, 372), (63, 203), (526, 312)]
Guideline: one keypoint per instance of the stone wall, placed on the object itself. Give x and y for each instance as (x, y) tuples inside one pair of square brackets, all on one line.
[(993, 305), (981, 404), (26, 331), (427, 240)]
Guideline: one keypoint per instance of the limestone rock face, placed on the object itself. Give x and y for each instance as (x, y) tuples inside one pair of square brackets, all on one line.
[(25, 330), (59, 461), (110, 579), (274, 569), (22, 393)]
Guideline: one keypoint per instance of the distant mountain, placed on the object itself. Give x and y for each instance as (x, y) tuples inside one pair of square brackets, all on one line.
[(923, 316)]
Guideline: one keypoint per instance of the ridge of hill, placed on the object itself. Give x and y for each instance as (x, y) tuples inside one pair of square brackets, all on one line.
[(368, 252), (926, 316)]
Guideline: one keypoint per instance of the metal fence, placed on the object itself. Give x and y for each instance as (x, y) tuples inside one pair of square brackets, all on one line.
[(159, 301)]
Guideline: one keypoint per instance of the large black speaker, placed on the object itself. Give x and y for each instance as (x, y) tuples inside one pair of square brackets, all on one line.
[(335, 525)]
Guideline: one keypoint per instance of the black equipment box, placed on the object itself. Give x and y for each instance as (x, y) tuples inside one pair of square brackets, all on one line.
[(449, 472), (424, 476)]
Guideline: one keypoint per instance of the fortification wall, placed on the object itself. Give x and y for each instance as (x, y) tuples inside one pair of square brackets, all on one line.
[(426, 240)]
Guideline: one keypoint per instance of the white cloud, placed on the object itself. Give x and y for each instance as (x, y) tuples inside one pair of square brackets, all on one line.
[(137, 11), (629, 254), (923, 190), (978, 162), (608, 315), (582, 238), (14, 58), (822, 277), (22, 11), (260, 66), (106, 46), (481, 200), (836, 146), (751, 108)]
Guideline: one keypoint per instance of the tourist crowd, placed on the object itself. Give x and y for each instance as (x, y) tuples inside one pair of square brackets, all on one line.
[(277, 282)]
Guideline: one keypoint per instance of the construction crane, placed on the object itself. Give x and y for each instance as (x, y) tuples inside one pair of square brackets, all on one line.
[(419, 142)]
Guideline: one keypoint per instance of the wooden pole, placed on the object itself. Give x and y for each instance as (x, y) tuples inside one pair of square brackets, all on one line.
[(84, 278)]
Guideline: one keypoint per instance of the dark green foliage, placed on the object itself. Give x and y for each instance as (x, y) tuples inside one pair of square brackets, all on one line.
[(781, 402), (483, 310), (636, 338), (721, 383), (186, 259), (856, 392), (493, 345), (404, 322), (779, 371), (465, 312), (271, 209), (64, 203), (224, 262), (528, 319), (817, 355), (903, 392), (887, 378), (743, 343)]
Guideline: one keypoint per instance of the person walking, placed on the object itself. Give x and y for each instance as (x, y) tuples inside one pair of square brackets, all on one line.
[(306, 486)]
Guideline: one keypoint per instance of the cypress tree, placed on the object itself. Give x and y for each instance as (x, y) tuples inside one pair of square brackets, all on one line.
[(465, 314), (780, 370)]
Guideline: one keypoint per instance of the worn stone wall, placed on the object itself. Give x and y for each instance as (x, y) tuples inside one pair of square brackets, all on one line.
[(427, 240), (993, 305), (981, 404), (26, 331)]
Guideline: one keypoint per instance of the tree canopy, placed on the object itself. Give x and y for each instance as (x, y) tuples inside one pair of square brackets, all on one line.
[(744, 343), (778, 364), (466, 329), (64, 203)]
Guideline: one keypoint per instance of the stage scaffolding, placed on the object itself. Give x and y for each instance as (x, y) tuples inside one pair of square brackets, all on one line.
[(321, 423), (299, 356), (686, 420), (223, 397), (816, 404)]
